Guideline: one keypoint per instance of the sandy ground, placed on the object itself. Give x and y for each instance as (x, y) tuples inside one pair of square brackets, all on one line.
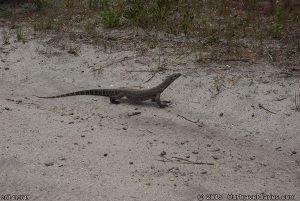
[(84, 148)]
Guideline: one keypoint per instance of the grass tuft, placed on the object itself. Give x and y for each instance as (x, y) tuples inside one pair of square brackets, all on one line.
[(5, 37), (20, 35), (40, 4), (110, 18)]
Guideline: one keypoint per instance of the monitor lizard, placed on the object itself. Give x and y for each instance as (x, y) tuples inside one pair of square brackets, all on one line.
[(133, 95)]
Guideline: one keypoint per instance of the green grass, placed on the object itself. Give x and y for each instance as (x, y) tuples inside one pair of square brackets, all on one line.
[(20, 35), (40, 4), (220, 25), (5, 37), (110, 18)]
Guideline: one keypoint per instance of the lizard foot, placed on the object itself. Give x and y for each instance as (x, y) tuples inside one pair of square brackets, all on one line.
[(162, 104), (114, 100)]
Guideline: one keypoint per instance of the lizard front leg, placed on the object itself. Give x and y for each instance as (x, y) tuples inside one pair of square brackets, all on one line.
[(160, 103)]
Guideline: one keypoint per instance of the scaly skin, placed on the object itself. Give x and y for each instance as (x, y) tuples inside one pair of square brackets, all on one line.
[(131, 94)]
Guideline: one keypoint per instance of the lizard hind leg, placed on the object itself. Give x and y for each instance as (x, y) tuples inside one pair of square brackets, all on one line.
[(114, 100)]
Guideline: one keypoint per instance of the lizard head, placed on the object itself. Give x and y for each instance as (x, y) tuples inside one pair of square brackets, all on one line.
[(174, 76), (168, 81)]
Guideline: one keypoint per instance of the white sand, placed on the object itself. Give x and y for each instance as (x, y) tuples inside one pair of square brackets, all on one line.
[(251, 148)]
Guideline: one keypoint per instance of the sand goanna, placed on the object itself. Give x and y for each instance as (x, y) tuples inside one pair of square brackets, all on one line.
[(133, 95)]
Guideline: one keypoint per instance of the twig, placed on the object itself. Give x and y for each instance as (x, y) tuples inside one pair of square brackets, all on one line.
[(164, 161), (262, 107), (280, 98), (133, 114), (166, 158), (153, 75), (242, 60), (186, 161), (143, 71), (193, 121), (198, 163), (118, 61)]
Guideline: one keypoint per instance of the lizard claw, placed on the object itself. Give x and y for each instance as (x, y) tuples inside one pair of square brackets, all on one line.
[(162, 104)]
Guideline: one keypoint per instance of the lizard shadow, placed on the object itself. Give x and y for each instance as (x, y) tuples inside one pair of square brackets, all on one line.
[(142, 103)]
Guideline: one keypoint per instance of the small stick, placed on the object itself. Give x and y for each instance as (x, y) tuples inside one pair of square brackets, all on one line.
[(150, 77), (280, 99), (164, 161), (262, 107), (143, 71), (183, 159), (242, 60), (133, 114), (112, 63), (192, 162), (195, 121), (166, 158)]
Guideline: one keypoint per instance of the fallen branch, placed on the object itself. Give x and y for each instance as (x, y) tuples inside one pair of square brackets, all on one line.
[(193, 121), (164, 161), (118, 61), (150, 77), (192, 162), (262, 107), (242, 60), (143, 71), (183, 159), (133, 114), (281, 98)]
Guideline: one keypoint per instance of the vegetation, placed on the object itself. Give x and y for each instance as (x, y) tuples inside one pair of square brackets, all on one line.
[(40, 4), (20, 35), (5, 37), (231, 28)]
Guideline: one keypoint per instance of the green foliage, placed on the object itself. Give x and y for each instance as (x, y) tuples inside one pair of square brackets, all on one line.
[(40, 4), (279, 13), (187, 23), (102, 4), (251, 4), (110, 18), (214, 36), (20, 35), (69, 3), (161, 8), (134, 8), (111, 12), (5, 13), (276, 31)]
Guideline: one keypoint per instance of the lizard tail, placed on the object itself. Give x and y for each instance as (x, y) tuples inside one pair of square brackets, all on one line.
[(96, 92)]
